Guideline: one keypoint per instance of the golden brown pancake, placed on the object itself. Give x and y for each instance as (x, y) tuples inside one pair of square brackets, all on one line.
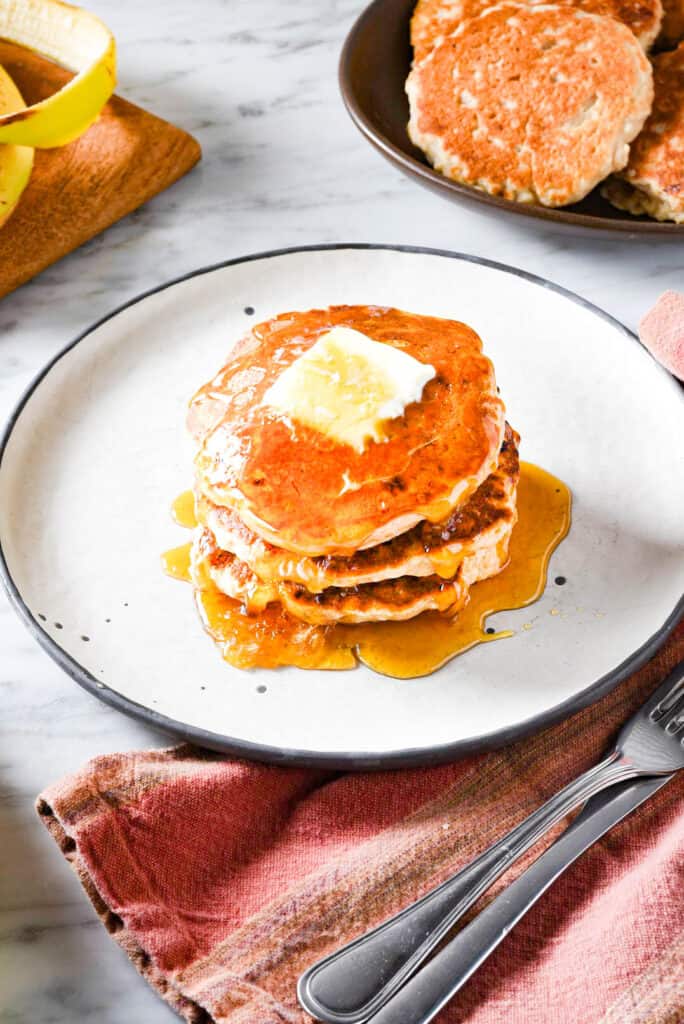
[(535, 104), (425, 550), (433, 20), (653, 180), (672, 28), (302, 490)]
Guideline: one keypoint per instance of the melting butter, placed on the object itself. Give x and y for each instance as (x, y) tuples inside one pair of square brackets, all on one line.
[(348, 387)]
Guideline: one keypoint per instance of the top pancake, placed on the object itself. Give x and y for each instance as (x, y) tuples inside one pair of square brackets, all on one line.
[(302, 490), (433, 20), (535, 104), (427, 549), (653, 181)]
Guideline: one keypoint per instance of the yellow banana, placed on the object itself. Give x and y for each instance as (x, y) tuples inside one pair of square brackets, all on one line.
[(79, 41), (16, 162)]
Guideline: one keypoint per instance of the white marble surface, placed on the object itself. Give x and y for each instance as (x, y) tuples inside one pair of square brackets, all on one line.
[(255, 80)]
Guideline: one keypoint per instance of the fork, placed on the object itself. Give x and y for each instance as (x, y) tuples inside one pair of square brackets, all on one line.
[(352, 984)]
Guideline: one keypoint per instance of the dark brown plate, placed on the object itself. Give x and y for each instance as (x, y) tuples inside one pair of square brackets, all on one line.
[(375, 61)]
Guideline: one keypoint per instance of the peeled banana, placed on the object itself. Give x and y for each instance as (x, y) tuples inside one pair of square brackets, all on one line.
[(79, 41)]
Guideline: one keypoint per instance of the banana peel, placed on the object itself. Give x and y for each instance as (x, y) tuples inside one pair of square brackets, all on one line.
[(16, 162), (77, 40), (71, 37)]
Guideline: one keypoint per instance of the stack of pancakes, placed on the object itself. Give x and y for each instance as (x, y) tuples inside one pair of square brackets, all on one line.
[(291, 515), (539, 102)]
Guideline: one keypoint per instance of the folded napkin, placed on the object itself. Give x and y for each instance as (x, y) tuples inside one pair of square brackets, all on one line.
[(222, 880), (662, 332)]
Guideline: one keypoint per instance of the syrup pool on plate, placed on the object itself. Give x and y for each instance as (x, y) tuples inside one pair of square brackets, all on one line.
[(400, 649)]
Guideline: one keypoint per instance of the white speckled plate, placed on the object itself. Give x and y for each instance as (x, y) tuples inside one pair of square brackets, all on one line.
[(95, 453)]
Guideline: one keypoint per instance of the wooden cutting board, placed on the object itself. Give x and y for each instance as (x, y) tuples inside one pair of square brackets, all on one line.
[(76, 191)]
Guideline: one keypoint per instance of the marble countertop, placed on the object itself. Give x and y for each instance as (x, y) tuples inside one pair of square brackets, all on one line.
[(256, 82)]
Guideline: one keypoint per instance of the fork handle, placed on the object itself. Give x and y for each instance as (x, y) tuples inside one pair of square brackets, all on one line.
[(425, 994), (351, 985)]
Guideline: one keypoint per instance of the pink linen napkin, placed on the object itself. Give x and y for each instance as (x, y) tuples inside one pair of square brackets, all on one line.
[(223, 879), (662, 332)]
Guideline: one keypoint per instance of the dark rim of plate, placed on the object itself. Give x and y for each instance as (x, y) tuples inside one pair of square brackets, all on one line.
[(417, 168), (334, 760)]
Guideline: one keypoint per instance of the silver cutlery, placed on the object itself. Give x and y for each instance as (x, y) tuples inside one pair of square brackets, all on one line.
[(354, 983)]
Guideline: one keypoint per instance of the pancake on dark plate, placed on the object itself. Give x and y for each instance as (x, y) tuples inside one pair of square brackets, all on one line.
[(653, 181), (434, 20), (536, 104)]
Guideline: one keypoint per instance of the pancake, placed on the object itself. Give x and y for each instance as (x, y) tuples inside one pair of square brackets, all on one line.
[(425, 550), (672, 28), (302, 490), (433, 20), (535, 104), (388, 600), (653, 181), (374, 602)]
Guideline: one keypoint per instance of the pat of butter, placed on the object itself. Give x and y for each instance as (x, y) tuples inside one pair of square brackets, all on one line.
[(348, 386)]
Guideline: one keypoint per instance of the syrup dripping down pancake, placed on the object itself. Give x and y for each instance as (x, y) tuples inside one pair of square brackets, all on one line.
[(303, 491), (480, 535), (386, 601), (425, 550), (406, 649), (391, 600)]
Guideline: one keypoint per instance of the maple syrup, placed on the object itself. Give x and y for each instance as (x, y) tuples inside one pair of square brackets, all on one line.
[(400, 649), (176, 562), (183, 510)]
